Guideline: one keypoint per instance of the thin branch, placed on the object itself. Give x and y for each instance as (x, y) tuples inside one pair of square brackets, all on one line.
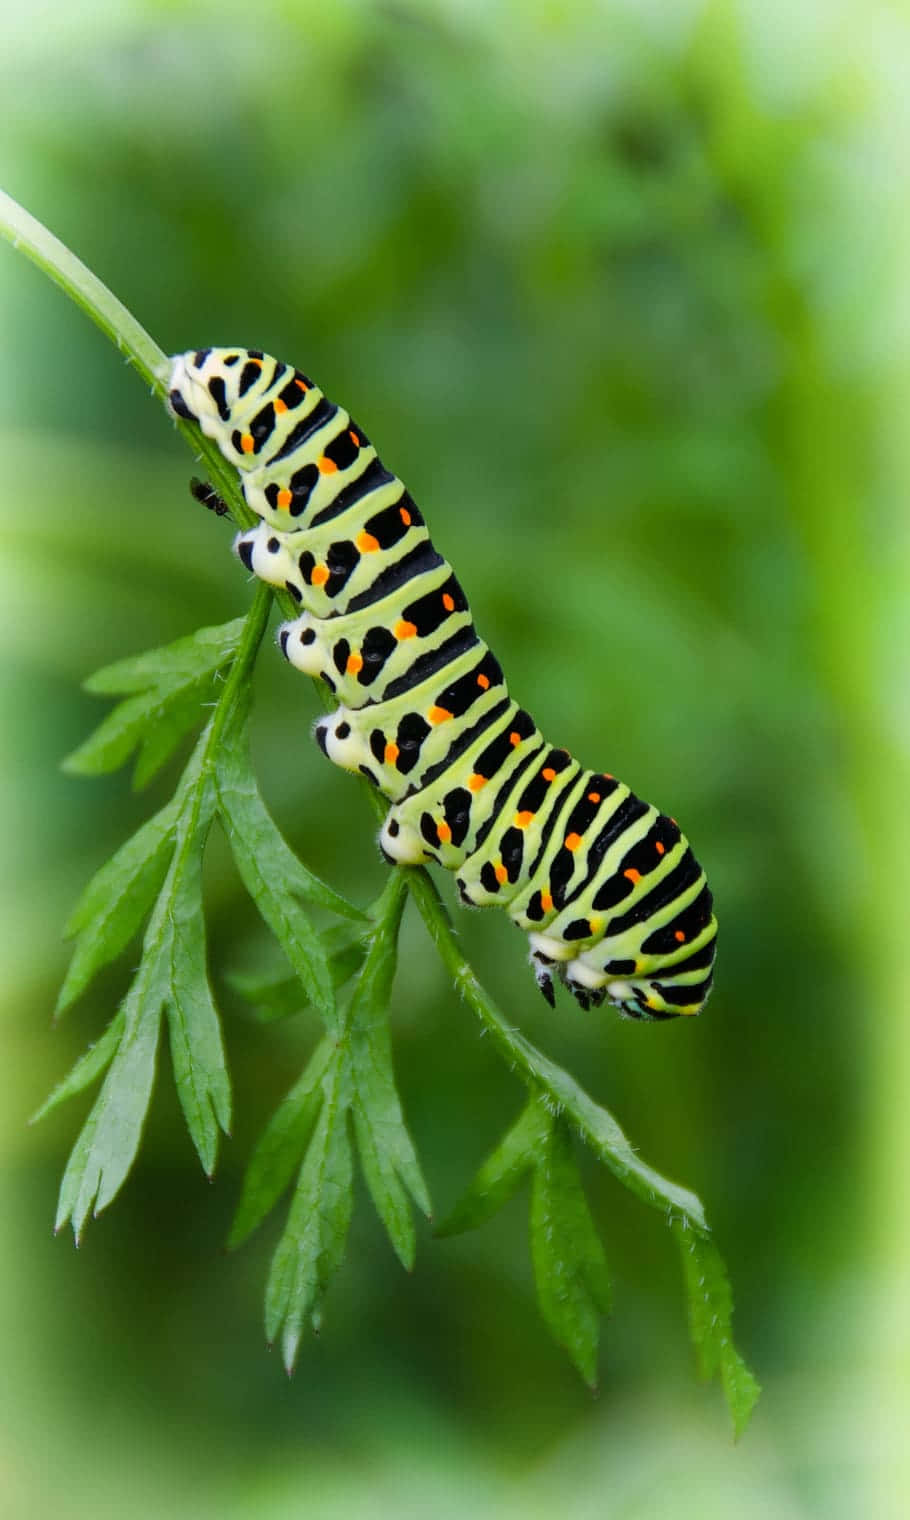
[(31, 238)]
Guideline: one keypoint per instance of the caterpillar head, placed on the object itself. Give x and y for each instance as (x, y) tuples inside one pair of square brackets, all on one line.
[(257, 410), (222, 389)]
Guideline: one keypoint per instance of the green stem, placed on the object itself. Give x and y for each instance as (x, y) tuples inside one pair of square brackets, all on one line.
[(241, 668), (54, 259), (29, 236)]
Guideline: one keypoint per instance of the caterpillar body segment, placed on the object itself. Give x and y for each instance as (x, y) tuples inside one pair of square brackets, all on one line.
[(607, 888)]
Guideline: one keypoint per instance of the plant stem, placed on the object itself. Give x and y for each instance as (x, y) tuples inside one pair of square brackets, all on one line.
[(53, 258), (241, 667)]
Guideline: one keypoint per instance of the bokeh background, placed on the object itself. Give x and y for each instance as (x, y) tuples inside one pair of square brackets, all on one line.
[(620, 290)]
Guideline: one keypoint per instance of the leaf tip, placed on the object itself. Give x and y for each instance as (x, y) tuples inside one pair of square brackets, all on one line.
[(64, 997), (62, 1216)]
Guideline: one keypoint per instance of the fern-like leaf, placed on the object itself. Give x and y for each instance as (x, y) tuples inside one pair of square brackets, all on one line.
[(164, 690), (573, 1286)]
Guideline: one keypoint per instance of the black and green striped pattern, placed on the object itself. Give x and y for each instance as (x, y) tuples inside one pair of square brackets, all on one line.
[(606, 887)]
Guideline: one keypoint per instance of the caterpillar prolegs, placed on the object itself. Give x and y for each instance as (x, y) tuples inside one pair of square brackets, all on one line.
[(606, 887)]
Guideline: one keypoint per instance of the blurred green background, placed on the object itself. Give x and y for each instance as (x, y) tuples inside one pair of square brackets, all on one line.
[(620, 290)]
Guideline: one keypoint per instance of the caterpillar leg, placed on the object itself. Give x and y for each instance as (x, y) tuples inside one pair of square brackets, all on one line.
[(269, 558), (541, 965), (342, 742), (299, 643)]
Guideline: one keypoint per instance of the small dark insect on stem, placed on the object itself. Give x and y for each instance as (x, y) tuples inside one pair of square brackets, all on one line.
[(208, 496)]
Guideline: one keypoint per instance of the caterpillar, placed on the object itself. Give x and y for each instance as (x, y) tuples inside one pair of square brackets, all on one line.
[(606, 887)]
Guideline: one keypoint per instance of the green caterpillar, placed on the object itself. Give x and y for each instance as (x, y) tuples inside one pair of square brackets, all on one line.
[(606, 887)]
